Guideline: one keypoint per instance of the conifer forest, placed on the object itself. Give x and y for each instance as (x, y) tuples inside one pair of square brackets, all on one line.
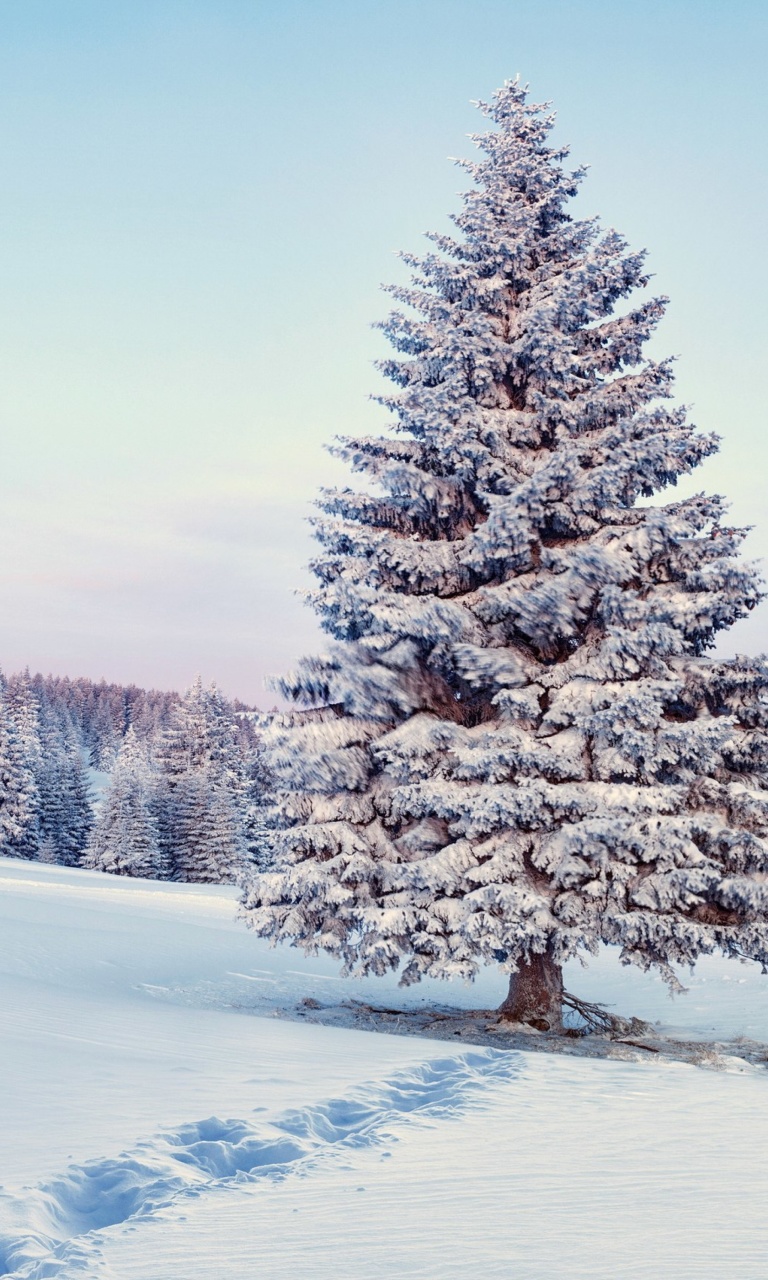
[(130, 781)]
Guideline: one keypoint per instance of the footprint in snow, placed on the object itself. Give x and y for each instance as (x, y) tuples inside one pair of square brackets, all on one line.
[(41, 1232)]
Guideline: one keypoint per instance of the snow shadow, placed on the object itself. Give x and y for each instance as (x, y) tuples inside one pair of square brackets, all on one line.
[(48, 1229)]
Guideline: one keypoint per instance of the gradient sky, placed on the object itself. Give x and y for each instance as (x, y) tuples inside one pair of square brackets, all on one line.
[(199, 201)]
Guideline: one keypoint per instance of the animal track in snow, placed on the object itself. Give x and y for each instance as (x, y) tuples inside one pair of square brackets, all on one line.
[(46, 1230)]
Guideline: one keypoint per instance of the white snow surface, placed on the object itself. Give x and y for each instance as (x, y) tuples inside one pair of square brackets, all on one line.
[(160, 1119)]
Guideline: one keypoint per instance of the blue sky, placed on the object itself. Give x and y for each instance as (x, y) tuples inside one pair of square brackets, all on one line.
[(199, 201)]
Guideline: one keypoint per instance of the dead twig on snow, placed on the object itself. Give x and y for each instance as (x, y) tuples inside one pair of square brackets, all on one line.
[(597, 1018)]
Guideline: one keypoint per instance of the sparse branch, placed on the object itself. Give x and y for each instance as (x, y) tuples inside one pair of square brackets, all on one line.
[(597, 1018)]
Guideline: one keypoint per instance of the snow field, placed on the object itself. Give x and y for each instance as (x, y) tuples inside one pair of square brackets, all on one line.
[(571, 1170), (37, 1227), (154, 1125), (95, 1057)]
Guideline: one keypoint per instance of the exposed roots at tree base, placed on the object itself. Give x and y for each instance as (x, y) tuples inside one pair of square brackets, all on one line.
[(602, 1035), (597, 1018)]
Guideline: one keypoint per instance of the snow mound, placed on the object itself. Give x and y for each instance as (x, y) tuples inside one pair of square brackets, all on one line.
[(43, 1233)]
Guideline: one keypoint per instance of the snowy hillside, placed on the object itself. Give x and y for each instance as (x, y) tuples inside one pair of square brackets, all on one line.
[(161, 1119)]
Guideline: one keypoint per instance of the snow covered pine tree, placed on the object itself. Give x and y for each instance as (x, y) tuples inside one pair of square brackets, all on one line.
[(518, 748), (203, 793), (19, 832), (125, 838)]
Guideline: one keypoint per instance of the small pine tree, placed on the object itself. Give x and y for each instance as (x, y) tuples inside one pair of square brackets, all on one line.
[(78, 809), (106, 730), (125, 839), (201, 732), (19, 834), (66, 815), (210, 844), (518, 746), (23, 704), (24, 710), (197, 750)]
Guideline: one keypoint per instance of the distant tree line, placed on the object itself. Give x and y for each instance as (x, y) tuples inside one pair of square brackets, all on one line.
[(103, 712), (185, 785)]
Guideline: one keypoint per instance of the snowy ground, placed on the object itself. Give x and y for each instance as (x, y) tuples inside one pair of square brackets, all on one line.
[(160, 1119)]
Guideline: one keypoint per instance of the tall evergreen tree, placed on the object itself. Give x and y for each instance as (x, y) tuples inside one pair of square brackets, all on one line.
[(106, 731), (519, 746), (23, 704), (19, 834), (23, 707), (125, 838), (78, 810), (198, 752), (193, 736), (66, 815), (209, 833)]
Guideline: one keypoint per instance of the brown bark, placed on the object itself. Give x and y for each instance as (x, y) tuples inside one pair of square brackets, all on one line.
[(536, 994)]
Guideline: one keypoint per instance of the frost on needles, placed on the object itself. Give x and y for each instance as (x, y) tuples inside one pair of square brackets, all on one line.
[(518, 746)]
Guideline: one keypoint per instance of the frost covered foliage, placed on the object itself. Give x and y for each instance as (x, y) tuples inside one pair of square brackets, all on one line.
[(19, 834), (125, 839), (518, 745), (185, 794), (211, 844), (46, 773), (204, 788), (102, 713)]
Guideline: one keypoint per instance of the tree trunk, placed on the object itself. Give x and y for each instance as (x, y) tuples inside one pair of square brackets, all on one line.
[(536, 994)]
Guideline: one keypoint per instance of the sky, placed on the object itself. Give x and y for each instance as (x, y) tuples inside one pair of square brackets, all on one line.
[(199, 201)]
